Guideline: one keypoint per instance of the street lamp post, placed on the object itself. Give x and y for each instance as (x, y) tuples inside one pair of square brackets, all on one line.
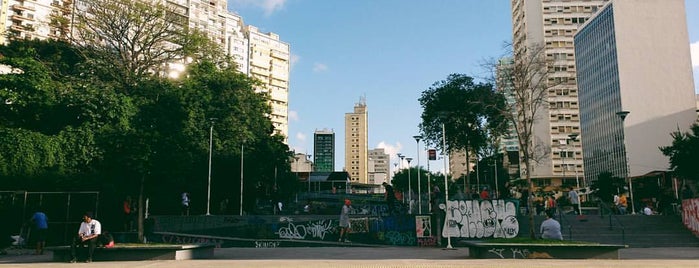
[(242, 154), (622, 115), (419, 191), (400, 166), (208, 185), (446, 185), (410, 188), (574, 137)]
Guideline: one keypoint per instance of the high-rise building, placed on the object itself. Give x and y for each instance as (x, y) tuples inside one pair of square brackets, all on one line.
[(552, 24), (269, 63), (356, 143), (379, 166), (33, 19), (636, 85), (324, 150)]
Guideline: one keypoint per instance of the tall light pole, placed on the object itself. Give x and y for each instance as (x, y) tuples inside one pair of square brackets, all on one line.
[(208, 185), (419, 191), (242, 162), (400, 166), (410, 188), (573, 137), (497, 188), (622, 115), (446, 183)]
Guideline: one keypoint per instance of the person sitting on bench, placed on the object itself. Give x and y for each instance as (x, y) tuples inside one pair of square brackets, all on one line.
[(88, 234)]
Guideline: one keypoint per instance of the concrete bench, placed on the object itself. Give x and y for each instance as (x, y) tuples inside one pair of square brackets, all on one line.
[(138, 252), (485, 250)]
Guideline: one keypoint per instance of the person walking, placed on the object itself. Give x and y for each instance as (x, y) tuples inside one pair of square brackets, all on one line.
[(574, 199), (345, 222), (88, 234), (550, 228), (185, 204), (41, 226)]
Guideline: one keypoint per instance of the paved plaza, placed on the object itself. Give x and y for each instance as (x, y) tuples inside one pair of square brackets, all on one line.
[(320, 257)]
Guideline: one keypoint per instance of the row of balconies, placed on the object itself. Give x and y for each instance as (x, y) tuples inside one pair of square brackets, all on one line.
[(23, 7)]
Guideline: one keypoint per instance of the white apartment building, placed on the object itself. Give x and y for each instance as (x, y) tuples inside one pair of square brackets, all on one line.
[(356, 143), (31, 19), (636, 85), (553, 23), (269, 62), (379, 166)]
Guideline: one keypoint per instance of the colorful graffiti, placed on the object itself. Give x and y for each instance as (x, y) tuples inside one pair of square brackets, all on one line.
[(690, 215), (480, 218)]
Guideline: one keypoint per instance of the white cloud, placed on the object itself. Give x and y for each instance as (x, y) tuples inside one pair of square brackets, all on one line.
[(294, 59), (391, 150), (268, 6), (694, 49), (319, 67), (293, 115), (301, 137)]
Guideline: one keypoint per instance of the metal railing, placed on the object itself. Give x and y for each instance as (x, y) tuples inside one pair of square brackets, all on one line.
[(604, 207)]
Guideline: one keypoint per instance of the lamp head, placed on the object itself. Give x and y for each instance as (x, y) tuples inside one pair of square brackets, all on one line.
[(417, 138)]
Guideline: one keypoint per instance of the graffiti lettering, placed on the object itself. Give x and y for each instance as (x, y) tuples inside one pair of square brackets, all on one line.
[(479, 219), (359, 225), (266, 244), (427, 241), (516, 252), (397, 238), (179, 239), (690, 215), (317, 229)]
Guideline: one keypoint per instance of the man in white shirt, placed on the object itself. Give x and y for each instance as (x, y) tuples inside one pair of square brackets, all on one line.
[(88, 234)]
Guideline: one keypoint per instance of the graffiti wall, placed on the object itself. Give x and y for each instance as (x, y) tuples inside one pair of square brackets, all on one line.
[(480, 219), (369, 224), (690, 215)]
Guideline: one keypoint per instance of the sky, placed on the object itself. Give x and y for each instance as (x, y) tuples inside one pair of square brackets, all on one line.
[(389, 52)]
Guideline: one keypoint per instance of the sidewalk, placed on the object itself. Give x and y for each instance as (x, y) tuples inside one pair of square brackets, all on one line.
[(372, 257)]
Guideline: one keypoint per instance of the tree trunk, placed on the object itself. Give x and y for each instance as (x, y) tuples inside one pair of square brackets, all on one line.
[(140, 210)]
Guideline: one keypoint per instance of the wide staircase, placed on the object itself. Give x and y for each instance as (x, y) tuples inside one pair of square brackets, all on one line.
[(638, 231)]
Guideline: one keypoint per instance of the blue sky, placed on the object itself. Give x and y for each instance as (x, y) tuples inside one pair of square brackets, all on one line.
[(388, 51)]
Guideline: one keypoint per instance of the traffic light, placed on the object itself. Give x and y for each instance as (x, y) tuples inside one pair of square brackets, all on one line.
[(432, 154)]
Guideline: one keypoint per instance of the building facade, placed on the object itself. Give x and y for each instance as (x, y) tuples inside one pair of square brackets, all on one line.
[(552, 24), (636, 85), (379, 166), (356, 143), (324, 150)]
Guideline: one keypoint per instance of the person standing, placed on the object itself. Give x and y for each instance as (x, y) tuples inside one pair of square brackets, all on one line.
[(41, 226), (128, 210), (345, 222), (390, 198), (622, 204), (550, 228), (185, 204), (574, 199), (484, 194), (88, 234)]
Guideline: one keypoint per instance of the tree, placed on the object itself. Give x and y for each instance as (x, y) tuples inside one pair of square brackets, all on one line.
[(128, 40), (606, 186), (683, 153), (525, 79), (470, 112)]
